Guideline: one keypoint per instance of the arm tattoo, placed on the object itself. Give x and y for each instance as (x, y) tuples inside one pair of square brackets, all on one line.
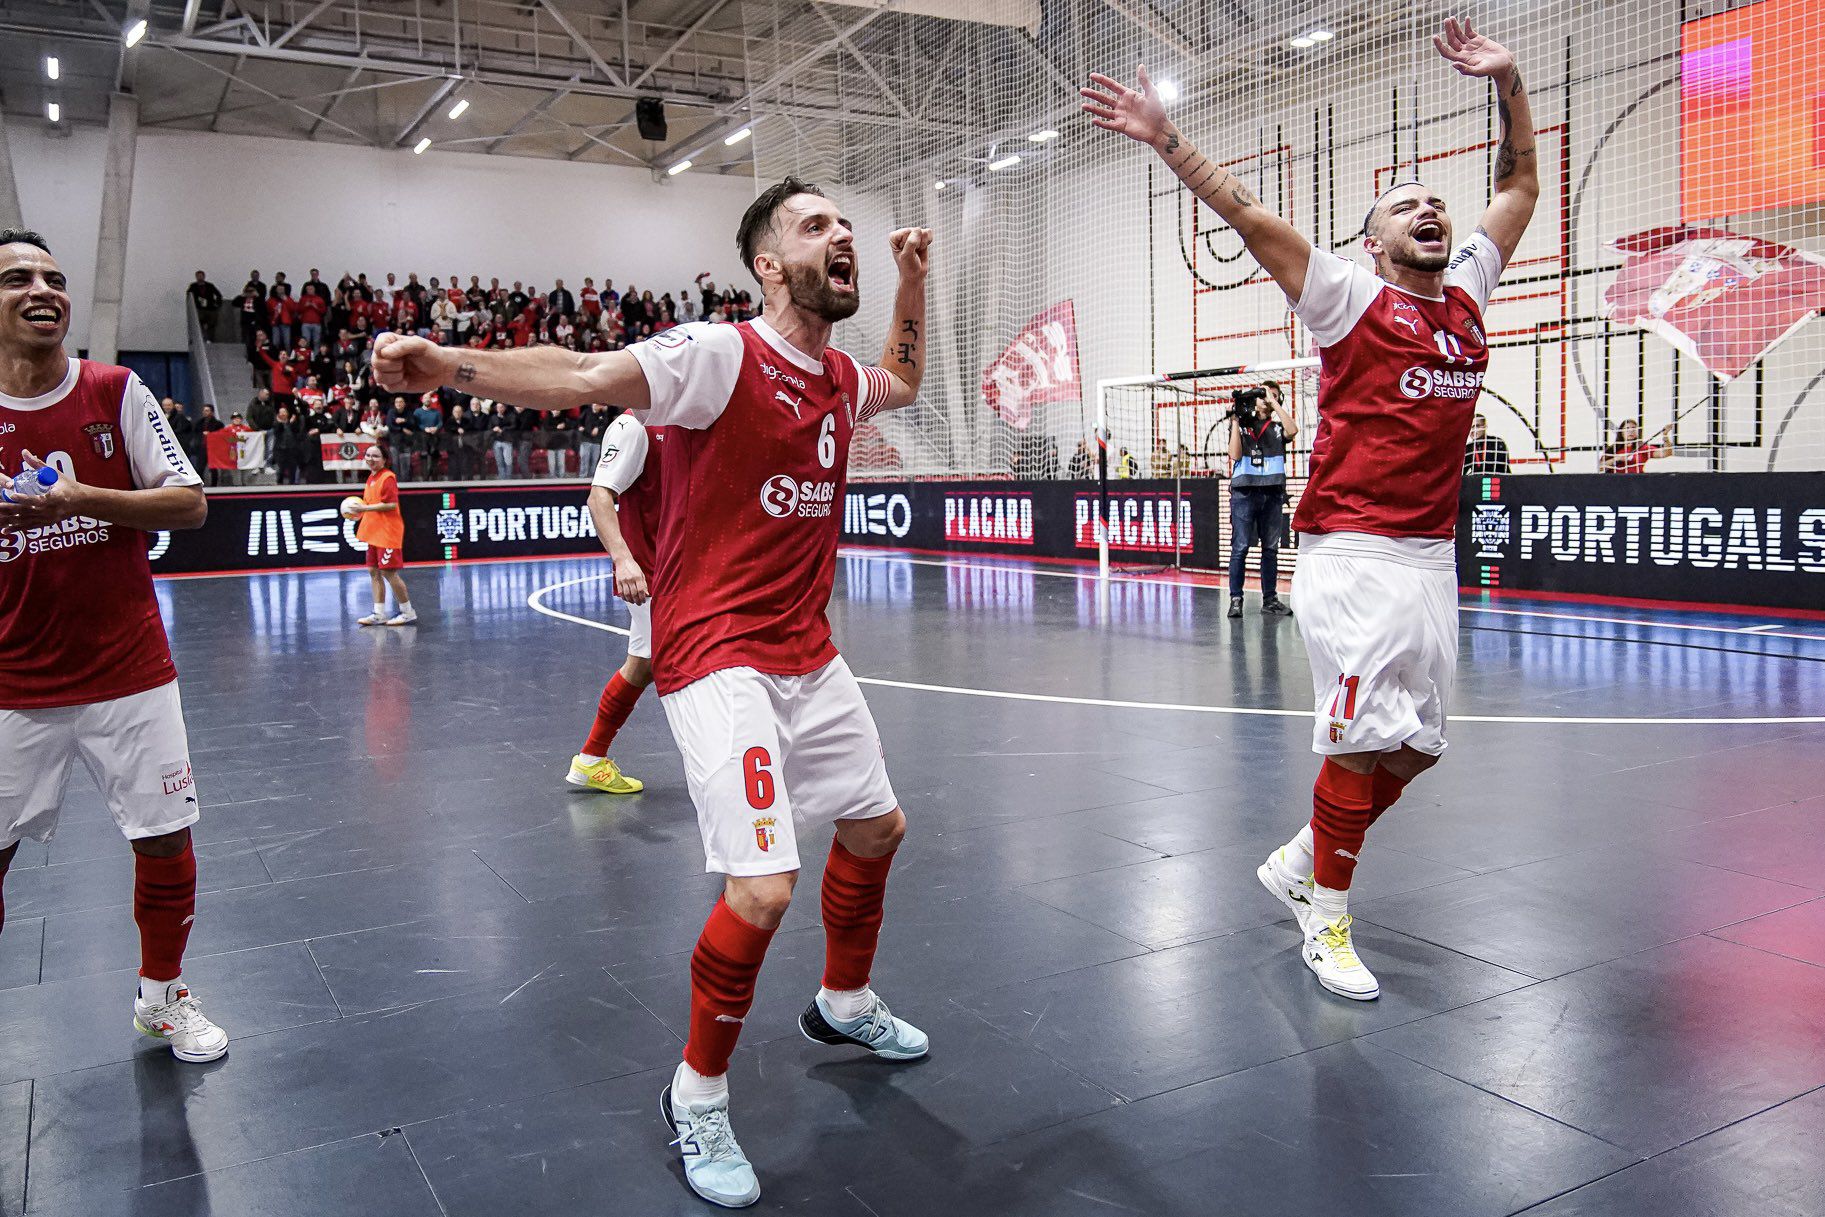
[(910, 344), (465, 373), (1242, 197), (1172, 143), (1505, 160), (1515, 89)]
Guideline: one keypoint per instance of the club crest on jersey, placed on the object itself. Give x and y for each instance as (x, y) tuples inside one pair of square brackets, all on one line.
[(764, 834), (101, 439)]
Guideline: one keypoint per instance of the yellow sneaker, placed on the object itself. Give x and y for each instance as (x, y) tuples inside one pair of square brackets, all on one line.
[(604, 775)]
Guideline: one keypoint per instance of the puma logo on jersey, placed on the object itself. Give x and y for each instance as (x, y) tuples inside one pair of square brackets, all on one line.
[(1412, 323), (790, 400), (1344, 853)]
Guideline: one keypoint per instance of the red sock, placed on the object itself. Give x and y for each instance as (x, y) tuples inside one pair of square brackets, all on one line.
[(1342, 804), (618, 698), (854, 889), (164, 904), (723, 968), (1387, 792)]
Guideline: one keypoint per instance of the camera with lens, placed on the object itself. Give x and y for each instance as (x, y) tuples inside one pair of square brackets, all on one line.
[(1244, 402)]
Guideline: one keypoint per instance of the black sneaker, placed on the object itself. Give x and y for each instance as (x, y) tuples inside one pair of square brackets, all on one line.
[(1235, 606), (1274, 606)]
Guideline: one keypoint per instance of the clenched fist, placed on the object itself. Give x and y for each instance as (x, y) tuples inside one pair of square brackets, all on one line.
[(404, 363), (911, 250)]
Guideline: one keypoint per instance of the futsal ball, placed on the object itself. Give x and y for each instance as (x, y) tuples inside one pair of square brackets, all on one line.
[(351, 507)]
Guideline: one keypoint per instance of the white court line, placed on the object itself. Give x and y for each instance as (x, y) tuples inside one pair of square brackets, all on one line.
[(1083, 577), (536, 602)]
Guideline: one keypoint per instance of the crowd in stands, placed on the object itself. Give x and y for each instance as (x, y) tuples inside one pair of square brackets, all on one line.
[(309, 349)]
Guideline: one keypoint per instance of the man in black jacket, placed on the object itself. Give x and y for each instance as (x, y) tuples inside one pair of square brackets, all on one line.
[(208, 300), (288, 447), (561, 301)]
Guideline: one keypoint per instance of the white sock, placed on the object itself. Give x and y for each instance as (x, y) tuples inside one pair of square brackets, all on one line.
[(847, 1005), (380, 610), (689, 1087), (158, 991), (405, 609), (1298, 857), (588, 759), (1332, 904)]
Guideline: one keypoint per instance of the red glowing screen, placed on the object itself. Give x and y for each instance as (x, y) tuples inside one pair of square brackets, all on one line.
[(1751, 110)]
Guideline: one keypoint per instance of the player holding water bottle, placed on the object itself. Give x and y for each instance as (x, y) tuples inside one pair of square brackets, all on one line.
[(85, 670)]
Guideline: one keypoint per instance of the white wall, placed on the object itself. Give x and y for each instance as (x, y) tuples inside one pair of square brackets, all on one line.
[(226, 204)]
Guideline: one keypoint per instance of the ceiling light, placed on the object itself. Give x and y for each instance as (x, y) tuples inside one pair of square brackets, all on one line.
[(1006, 162), (456, 111), (1302, 42), (735, 137), (54, 112), (1321, 35), (418, 149), (1167, 89), (1040, 137), (677, 169), (52, 69), (136, 32), (940, 184)]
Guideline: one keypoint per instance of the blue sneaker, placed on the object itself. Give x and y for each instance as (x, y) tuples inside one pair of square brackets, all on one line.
[(890, 1038), (714, 1165)]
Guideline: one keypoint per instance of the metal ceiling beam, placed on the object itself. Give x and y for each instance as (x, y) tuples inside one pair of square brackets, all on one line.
[(438, 97), (683, 38), (297, 27), (336, 100), (1142, 14), (595, 56), (192, 10), (880, 81), (248, 84), (215, 113), (525, 120)]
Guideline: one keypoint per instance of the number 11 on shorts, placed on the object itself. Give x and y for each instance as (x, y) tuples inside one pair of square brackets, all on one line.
[(1344, 698)]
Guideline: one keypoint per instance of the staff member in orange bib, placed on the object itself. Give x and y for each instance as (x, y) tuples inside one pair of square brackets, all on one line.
[(383, 530)]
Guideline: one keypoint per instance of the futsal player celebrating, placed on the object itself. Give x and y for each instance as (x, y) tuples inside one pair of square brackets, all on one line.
[(775, 733), (85, 670), (624, 503), (1403, 354), (383, 530)]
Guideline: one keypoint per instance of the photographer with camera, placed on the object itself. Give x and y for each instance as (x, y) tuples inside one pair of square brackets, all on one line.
[(1259, 431)]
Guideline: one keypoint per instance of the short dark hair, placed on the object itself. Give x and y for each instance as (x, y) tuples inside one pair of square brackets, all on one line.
[(757, 222), (23, 236), (1370, 215)]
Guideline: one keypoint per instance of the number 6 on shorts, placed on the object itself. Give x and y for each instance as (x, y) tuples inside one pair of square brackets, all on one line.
[(757, 778)]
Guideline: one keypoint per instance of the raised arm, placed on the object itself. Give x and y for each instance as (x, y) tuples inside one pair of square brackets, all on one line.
[(1517, 167), (539, 378), (1140, 115), (903, 358)]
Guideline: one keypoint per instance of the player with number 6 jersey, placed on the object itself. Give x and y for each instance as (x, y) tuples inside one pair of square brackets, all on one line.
[(1403, 352), (775, 733), (85, 668)]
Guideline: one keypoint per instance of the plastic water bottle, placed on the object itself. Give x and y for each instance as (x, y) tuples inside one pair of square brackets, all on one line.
[(30, 484)]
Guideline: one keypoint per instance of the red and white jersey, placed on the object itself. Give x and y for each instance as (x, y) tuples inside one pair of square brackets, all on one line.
[(629, 468), (79, 622), (752, 492), (1398, 389)]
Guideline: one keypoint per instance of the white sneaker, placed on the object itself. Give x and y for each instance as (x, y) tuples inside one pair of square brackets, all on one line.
[(1331, 956), (714, 1165), (1288, 887), (178, 1019), (371, 619), (409, 617)]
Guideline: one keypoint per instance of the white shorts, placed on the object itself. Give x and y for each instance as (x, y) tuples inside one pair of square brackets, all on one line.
[(134, 747), (640, 630), (1382, 639), (767, 755)]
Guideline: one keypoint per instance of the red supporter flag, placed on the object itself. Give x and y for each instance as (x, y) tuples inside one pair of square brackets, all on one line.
[(1724, 299), (1039, 366), (222, 446)]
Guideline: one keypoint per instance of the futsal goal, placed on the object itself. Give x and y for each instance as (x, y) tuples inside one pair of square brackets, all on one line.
[(1175, 427)]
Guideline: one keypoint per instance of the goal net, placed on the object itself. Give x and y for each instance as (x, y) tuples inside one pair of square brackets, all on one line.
[(1670, 278)]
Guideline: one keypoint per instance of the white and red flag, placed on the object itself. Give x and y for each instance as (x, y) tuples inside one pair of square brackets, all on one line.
[(1722, 298), (1039, 366)]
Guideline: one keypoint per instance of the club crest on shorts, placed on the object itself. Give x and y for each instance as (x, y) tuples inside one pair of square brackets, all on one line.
[(1336, 732), (764, 835), (101, 439)]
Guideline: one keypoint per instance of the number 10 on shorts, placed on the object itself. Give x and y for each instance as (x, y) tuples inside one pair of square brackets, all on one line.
[(1345, 700)]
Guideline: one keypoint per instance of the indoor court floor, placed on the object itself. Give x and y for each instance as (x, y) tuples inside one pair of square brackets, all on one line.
[(456, 985)]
